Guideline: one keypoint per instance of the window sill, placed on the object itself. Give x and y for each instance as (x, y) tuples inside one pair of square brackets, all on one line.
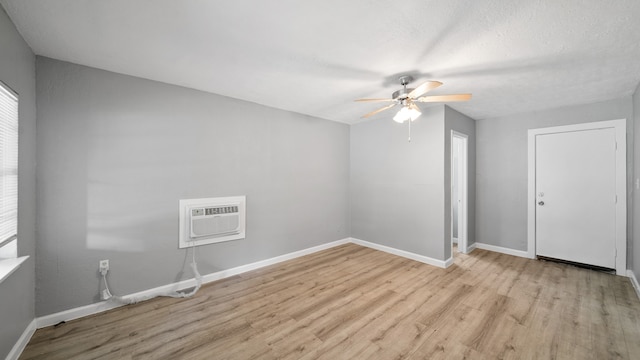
[(8, 266)]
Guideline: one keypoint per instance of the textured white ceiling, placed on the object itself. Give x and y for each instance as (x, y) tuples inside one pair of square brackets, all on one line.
[(315, 57)]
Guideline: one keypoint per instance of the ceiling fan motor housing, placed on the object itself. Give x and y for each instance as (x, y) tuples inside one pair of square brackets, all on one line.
[(401, 94), (404, 92)]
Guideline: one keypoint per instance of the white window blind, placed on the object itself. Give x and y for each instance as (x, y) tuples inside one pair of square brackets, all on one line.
[(8, 165)]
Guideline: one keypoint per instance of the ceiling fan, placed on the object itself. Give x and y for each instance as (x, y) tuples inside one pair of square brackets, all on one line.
[(407, 97)]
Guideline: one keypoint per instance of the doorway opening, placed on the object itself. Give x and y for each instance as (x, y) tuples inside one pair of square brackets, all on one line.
[(459, 193)]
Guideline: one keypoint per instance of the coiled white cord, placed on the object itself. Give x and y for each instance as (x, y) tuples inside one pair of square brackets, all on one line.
[(175, 294)]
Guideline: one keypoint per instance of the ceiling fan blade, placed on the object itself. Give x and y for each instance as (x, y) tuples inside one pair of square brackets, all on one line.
[(379, 110), (415, 107), (428, 86), (374, 100), (444, 98)]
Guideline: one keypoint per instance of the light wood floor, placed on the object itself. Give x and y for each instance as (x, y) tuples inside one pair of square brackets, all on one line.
[(352, 302)]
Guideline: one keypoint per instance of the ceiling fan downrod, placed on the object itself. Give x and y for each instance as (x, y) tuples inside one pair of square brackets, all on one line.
[(404, 92)]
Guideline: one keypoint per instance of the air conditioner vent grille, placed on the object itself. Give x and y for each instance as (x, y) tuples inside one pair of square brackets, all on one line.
[(219, 210), (206, 221)]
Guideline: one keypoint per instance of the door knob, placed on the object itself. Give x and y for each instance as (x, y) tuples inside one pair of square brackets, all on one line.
[(541, 203)]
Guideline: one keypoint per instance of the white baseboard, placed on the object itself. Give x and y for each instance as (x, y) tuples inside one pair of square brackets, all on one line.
[(259, 264), (503, 250), (406, 254), (102, 306), (22, 342), (75, 313), (91, 309), (448, 262), (634, 282), (82, 311), (471, 247)]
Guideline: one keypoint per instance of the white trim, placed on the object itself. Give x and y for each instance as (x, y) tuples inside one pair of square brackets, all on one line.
[(621, 185), (95, 308), (8, 266), (470, 248), (75, 313), (531, 194), (82, 311), (449, 261), (463, 164), (406, 254), (634, 282), (22, 342), (278, 259), (501, 249)]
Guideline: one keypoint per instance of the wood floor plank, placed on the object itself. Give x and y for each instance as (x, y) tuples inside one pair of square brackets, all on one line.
[(630, 319), (444, 342), (352, 302)]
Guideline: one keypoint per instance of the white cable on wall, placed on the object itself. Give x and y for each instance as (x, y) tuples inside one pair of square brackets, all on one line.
[(174, 294)]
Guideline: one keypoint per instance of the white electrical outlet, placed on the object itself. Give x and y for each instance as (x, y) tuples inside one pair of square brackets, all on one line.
[(104, 265), (105, 294)]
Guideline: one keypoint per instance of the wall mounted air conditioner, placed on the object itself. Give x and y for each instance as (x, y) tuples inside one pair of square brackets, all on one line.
[(211, 220)]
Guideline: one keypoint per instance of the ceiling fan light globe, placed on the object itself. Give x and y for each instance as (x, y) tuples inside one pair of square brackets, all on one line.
[(414, 114), (406, 113), (399, 119), (402, 115)]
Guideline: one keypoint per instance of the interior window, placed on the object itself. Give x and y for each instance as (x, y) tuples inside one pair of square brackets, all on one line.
[(9, 172)]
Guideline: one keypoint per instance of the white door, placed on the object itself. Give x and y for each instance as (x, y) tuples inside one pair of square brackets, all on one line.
[(576, 196)]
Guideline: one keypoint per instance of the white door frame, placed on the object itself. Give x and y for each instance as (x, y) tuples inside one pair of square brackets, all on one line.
[(463, 163), (620, 127)]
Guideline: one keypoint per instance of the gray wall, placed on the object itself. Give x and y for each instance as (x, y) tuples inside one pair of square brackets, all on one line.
[(635, 244), (454, 120), (17, 70), (397, 186), (501, 156), (116, 153)]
